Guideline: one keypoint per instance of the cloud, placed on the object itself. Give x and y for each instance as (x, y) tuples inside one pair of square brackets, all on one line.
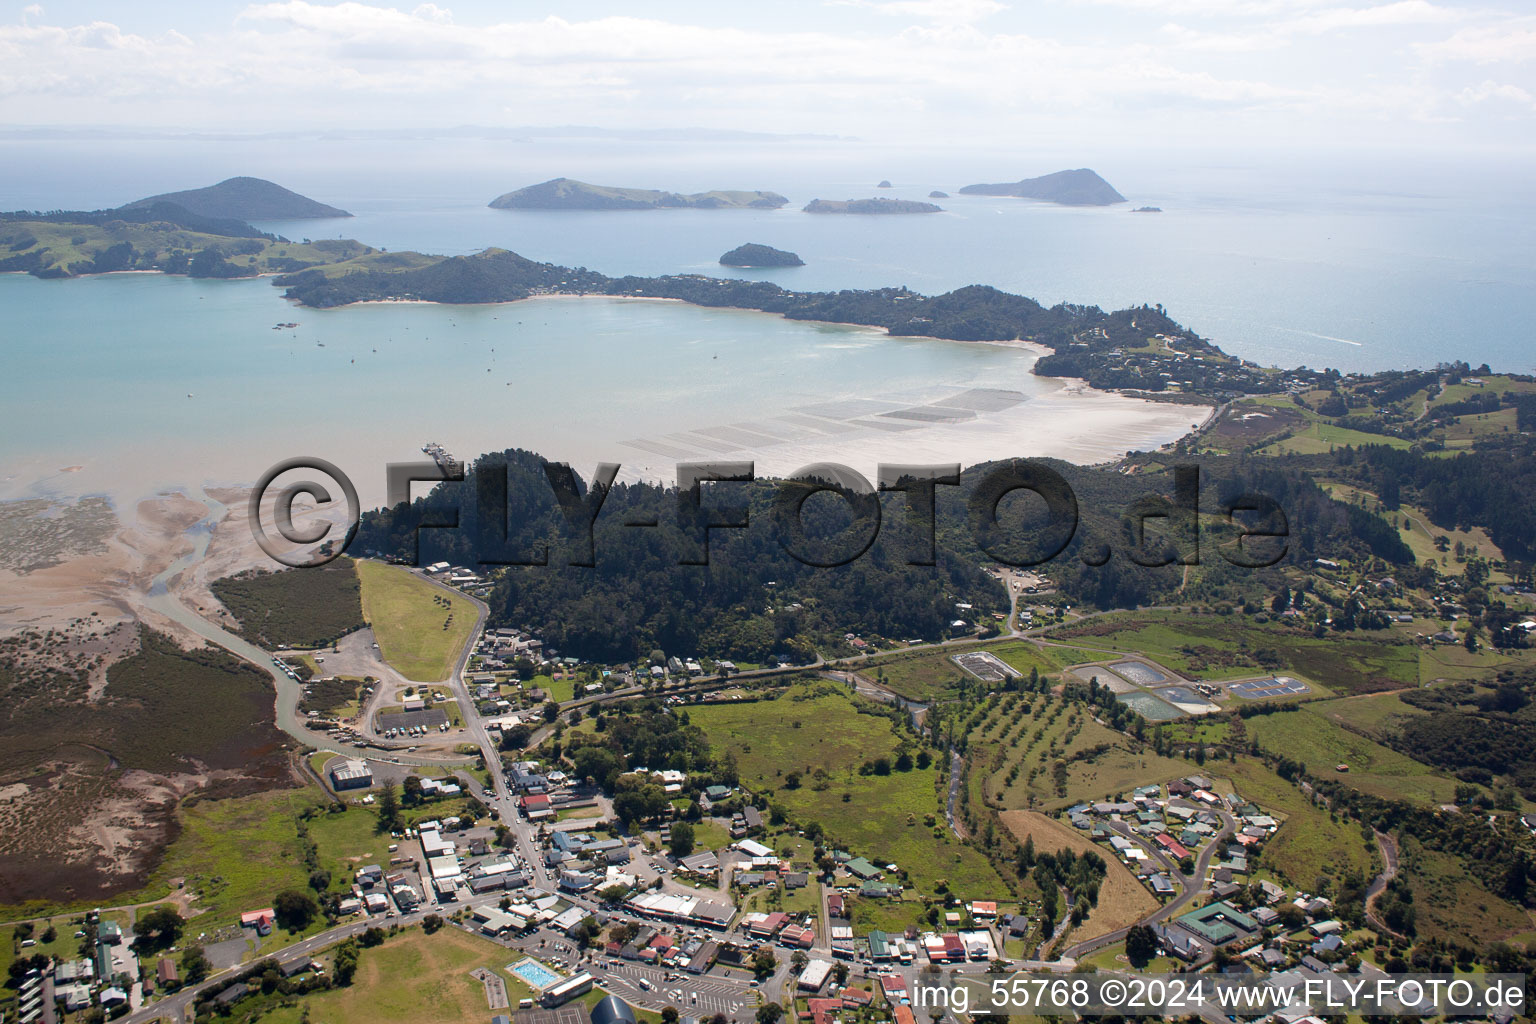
[(1286, 67), (1514, 41), (1495, 92), (1404, 12), (959, 11)]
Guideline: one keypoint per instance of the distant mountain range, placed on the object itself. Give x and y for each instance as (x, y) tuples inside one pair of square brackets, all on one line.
[(1081, 187), (876, 206), (244, 199), (569, 194)]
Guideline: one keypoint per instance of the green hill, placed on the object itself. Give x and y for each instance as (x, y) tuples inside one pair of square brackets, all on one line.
[(1081, 187), (244, 199), (755, 255), (569, 194)]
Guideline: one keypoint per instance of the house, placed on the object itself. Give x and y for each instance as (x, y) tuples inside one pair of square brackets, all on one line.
[(109, 932), (1271, 958), (165, 972), (862, 869), (232, 994), (261, 920)]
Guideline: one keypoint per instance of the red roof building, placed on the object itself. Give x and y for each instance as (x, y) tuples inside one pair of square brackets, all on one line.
[(1172, 845)]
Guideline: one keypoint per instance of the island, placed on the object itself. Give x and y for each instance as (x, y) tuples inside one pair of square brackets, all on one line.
[(1148, 209), (885, 184), (1081, 187), (755, 255), (569, 194), (876, 206), (936, 194), (244, 199), (1108, 350)]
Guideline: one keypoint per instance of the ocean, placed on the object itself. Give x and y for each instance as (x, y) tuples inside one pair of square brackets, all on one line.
[(1357, 265)]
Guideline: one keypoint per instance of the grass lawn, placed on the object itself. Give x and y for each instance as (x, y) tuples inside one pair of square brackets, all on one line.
[(346, 842), (1325, 437), (933, 676), (819, 729), (870, 915), (1453, 661), (1225, 647), (236, 854), (1321, 742), (1309, 842), (805, 900), (1451, 905), (1113, 958), (414, 978), (573, 813), (560, 690), (420, 629), (709, 836)]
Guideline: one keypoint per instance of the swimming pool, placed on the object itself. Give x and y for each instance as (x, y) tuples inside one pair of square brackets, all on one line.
[(534, 973)]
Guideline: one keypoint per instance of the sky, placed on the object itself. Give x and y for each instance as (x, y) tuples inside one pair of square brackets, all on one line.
[(1420, 75)]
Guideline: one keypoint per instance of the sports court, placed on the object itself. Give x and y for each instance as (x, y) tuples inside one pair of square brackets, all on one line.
[(1278, 686)]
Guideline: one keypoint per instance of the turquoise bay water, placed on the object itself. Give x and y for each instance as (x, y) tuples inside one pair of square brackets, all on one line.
[(146, 381), (1360, 262)]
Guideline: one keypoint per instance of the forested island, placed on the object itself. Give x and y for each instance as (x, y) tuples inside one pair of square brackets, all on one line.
[(870, 206), (569, 194), (754, 255), (243, 199), (1080, 187)]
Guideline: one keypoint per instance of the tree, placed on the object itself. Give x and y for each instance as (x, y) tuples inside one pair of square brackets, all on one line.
[(431, 923), (669, 1015), (1140, 945), (769, 1013), (389, 809), (515, 738), (194, 965), (156, 929), (799, 959), (551, 710), (294, 909), (344, 965), (680, 839), (410, 791), (763, 963)]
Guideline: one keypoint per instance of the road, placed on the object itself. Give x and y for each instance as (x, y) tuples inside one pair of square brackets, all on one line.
[(1388, 847), (1191, 887), (956, 775)]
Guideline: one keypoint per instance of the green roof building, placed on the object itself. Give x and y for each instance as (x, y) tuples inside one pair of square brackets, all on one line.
[(1219, 923)]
